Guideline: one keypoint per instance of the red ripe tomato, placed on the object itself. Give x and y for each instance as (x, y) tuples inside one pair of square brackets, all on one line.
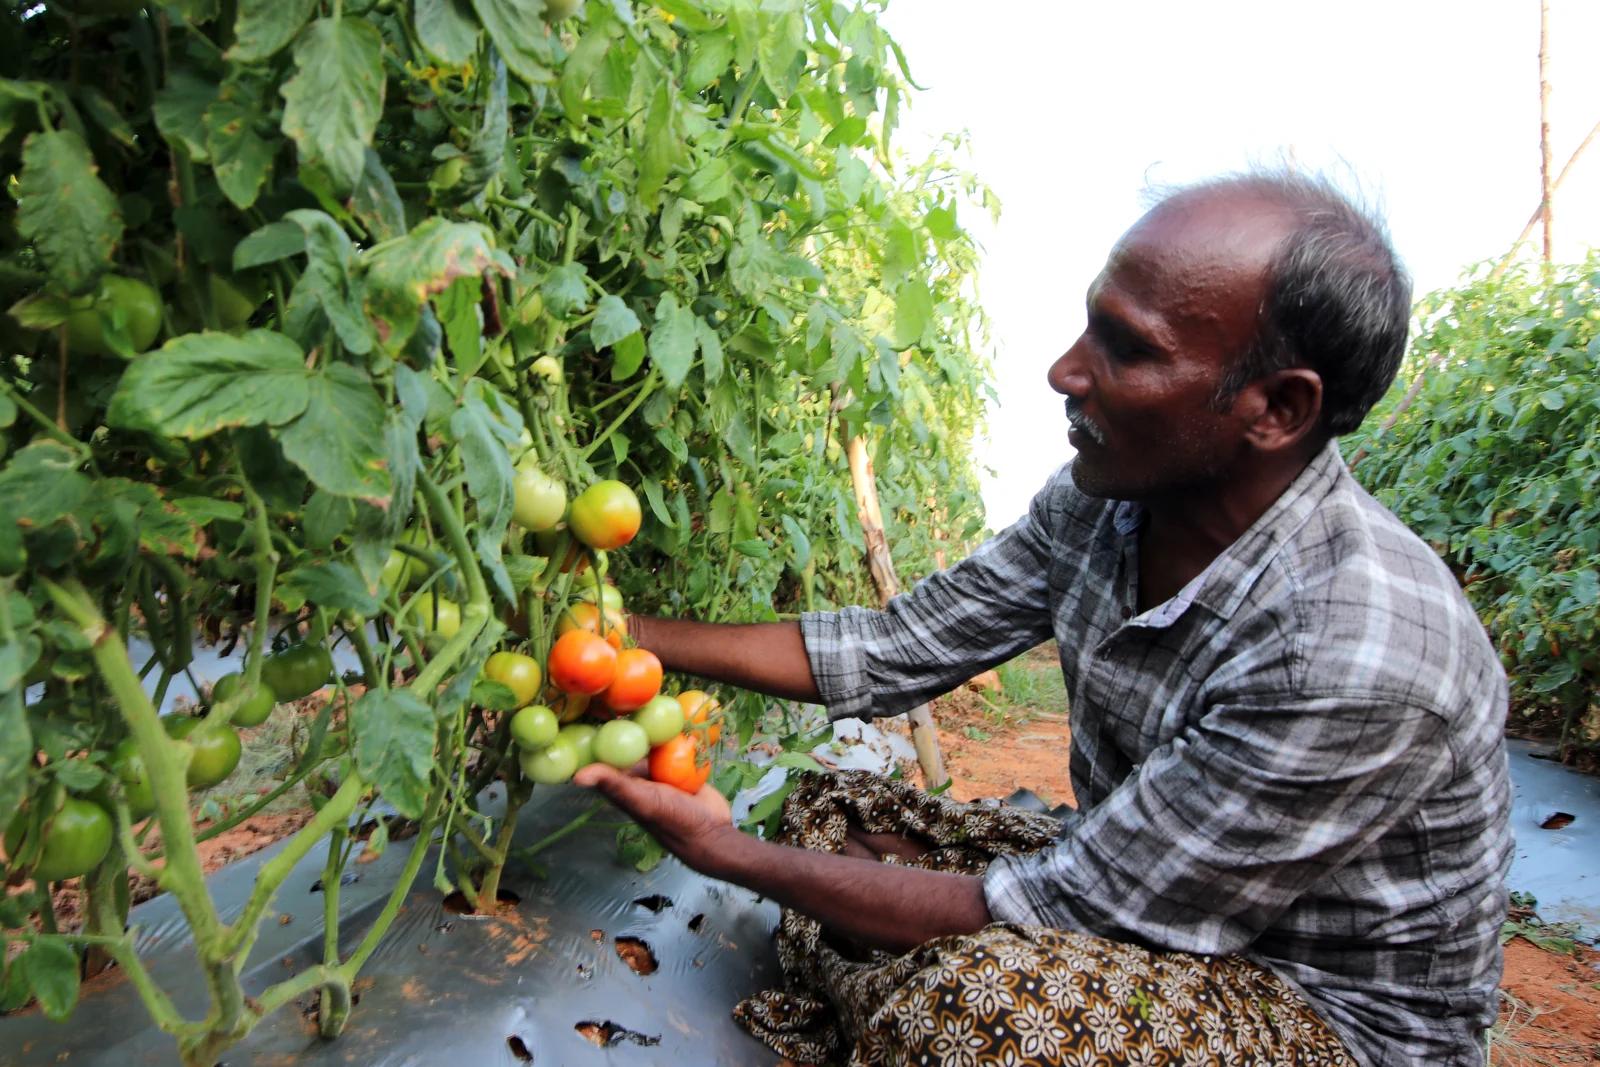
[(703, 715), (585, 616), (638, 679), (605, 516), (582, 662), (677, 763)]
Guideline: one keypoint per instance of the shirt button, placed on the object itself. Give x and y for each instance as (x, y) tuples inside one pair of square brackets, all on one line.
[(1127, 612)]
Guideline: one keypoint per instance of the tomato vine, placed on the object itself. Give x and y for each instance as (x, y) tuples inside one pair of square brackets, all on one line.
[(310, 299)]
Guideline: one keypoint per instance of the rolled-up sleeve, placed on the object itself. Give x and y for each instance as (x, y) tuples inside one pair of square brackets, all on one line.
[(956, 623), (1221, 831)]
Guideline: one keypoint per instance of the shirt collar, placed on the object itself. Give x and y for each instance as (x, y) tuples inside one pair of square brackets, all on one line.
[(1227, 580)]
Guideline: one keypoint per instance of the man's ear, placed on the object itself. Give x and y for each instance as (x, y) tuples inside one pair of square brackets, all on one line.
[(1287, 409)]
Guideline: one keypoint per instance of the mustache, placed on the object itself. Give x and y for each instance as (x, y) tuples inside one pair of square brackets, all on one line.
[(1080, 421)]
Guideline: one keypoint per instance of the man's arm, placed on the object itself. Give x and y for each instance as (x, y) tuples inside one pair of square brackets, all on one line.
[(767, 657), (878, 904)]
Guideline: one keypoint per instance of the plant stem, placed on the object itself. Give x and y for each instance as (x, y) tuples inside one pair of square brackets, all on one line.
[(644, 392)]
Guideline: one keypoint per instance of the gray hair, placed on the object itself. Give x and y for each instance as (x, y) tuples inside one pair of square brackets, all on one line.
[(1338, 299)]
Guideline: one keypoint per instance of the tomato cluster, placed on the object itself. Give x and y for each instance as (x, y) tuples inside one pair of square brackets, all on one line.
[(590, 670)]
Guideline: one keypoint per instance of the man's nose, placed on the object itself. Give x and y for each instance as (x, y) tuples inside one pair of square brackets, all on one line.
[(1069, 374)]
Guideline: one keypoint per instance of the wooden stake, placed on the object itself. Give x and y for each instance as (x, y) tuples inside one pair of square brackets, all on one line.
[(1545, 186), (881, 564)]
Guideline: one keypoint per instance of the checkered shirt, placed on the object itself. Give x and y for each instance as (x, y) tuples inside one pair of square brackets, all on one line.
[(1299, 758)]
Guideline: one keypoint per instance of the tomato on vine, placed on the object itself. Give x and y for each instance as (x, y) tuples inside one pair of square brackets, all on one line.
[(518, 673), (534, 727), (703, 715), (128, 766), (580, 735), (76, 839), (215, 753), (608, 595), (141, 316), (253, 712), (538, 500), (436, 614), (636, 683), (583, 615), (676, 762), (605, 516), (661, 717), (582, 662), (621, 743), (297, 671), (568, 707), (551, 765)]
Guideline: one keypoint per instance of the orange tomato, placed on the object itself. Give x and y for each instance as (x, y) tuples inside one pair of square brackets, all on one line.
[(568, 707), (637, 681), (605, 516), (703, 715), (677, 763), (582, 662), (585, 616)]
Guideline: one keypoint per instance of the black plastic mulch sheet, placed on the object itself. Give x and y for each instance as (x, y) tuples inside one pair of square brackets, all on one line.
[(545, 984)]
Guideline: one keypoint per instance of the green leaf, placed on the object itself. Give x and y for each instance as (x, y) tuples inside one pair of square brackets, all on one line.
[(329, 281), (493, 695), (16, 747), (394, 746), (200, 383), (403, 276), (105, 115), (672, 342), (243, 158), (582, 65), (376, 201), (180, 112), (799, 544), (264, 26), (448, 30), (339, 441), (627, 356), (708, 61), (66, 210), (335, 586), (663, 146), (941, 223), (8, 414), (755, 548), (487, 462), (327, 516), (42, 311), (563, 290), (913, 312), (274, 241), (333, 102), (613, 320), (517, 28), (710, 349), (658, 503), (1553, 399), (51, 968), (458, 311)]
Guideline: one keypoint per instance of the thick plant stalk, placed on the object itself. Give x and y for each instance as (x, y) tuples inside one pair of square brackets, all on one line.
[(881, 563), (1546, 189)]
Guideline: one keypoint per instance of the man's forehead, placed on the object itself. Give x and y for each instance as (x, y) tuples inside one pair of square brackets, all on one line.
[(1207, 238)]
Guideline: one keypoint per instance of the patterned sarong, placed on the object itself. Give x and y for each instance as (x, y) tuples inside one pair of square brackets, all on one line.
[(1011, 995)]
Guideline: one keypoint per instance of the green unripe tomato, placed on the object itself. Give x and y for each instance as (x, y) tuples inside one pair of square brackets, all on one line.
[(128, 766), (531, 308), (255, 711), (403, 565), (621, 743), (534, 727), (233, 308), (216, 753), (548, 368), (609, 594), (557, 10), (518, 673), (580, 735), (447, 175), (538, 500), (141, 316), (444, 621), (75, 842), (551, 765), (297, 671), (661, 718)]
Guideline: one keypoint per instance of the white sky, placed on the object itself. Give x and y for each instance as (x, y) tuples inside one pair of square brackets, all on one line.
[(1074, 104)]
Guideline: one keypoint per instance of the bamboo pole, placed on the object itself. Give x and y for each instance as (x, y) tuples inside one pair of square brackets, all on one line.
[(1545, 187), (881, 564)]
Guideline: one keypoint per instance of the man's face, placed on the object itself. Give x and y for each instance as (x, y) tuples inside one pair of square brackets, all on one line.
[(1174, 308)]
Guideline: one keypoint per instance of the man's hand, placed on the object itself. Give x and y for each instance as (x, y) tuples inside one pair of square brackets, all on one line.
[(697, 828)]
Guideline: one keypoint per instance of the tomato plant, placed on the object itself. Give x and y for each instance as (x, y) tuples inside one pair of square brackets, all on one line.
[(1495, 466), (298, 293)]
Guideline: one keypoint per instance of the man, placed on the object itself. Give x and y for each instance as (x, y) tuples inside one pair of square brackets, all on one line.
[(1291, 835)]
